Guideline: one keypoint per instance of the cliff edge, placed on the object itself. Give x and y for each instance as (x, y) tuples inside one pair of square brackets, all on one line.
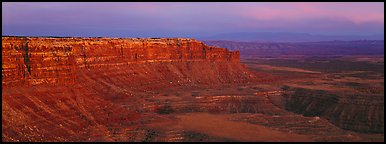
[(37, 60)]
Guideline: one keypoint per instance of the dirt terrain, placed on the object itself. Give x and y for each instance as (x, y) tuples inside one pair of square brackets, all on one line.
[(207, 94)]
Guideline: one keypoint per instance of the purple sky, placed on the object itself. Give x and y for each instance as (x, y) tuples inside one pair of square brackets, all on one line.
[(189, 19)]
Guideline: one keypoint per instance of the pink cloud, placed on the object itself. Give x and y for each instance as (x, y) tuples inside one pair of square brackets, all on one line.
[(354, 12)]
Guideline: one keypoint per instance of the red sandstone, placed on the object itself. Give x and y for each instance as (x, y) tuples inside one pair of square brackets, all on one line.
[(31, 60)]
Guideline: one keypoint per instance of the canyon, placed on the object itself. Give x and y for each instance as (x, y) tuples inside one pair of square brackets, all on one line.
[(171, 89)]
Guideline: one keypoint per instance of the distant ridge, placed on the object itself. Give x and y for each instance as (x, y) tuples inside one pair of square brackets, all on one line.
[(324, 48), (287, 37)]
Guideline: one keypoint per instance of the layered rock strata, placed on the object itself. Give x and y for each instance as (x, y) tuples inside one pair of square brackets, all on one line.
[(33, 60), (363, 113), (76, 89)]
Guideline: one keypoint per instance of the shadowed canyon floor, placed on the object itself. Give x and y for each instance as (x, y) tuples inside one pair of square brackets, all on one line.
[(202, 100)]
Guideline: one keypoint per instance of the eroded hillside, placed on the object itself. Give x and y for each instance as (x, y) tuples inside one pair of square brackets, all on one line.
[(172, 89), (64, 89)]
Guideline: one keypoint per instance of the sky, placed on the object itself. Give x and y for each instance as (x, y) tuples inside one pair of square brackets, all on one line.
[(184, 19)]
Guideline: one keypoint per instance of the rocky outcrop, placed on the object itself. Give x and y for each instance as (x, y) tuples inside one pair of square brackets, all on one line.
[(34, 60), (75, 89), (363, 113)]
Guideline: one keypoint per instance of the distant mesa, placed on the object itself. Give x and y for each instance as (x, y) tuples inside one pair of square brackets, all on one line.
[(288, 37)]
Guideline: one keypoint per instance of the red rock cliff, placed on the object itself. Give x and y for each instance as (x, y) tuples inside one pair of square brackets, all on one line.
[(31, 60), (72, 89)]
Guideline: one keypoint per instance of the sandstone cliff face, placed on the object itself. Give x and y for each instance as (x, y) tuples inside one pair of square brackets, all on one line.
[(71, 89), (32, 61)]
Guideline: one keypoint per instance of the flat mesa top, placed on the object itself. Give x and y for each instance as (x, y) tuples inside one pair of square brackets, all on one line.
[(101, 38)]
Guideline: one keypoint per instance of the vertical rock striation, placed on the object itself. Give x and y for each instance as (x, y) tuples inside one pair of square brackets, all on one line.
[(33, 60)]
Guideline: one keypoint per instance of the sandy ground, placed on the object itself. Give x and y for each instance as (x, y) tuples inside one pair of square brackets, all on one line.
[(277, 68), (219, 125)]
